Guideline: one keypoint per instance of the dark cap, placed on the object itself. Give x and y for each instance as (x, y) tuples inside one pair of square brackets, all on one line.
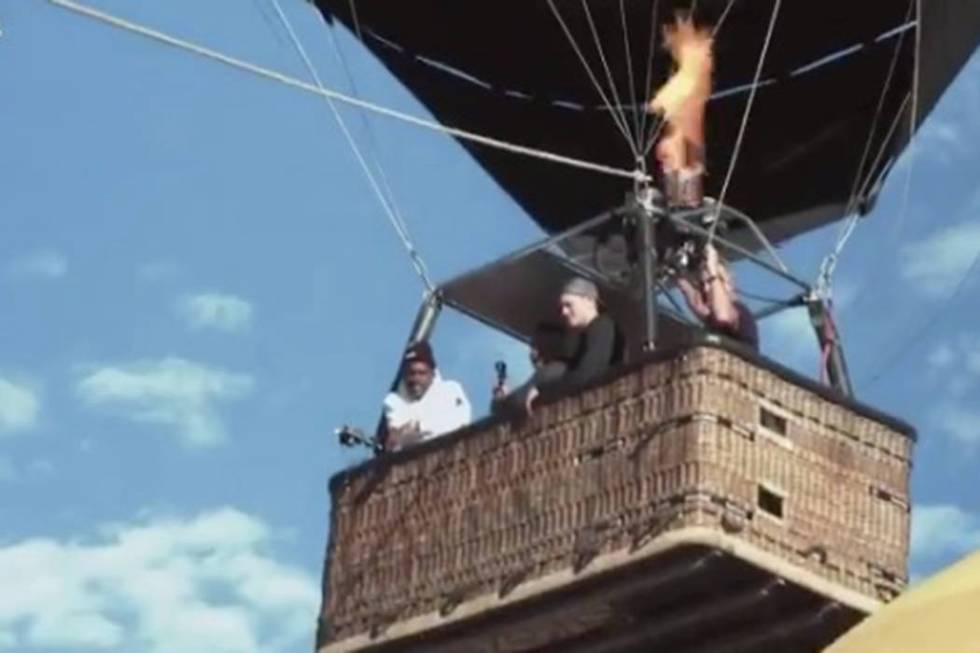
[(419, 352)]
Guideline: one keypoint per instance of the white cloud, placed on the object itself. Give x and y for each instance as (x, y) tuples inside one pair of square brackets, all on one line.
[(206, 583), (19, 407), (215, 311), (961, 423), (948, 133), (943, 530), (936, 265), (955, 366), (43, 264), (173, 392), (960, 354), (941, 357)]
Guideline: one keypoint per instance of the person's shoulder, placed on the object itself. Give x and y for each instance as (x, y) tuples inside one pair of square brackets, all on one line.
[(450, 386), (393, 400), (748, 327), (450, 392), (603, 323), (744, 312)]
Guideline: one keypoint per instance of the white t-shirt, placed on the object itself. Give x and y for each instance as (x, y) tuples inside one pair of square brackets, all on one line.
[(442, 409)]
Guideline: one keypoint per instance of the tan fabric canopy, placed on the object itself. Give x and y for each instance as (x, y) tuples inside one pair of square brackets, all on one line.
[(940, 614)]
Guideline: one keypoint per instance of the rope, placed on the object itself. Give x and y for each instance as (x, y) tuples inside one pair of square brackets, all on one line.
[(745, 119), (460, 134), (828, 341), (648, 89), (654, 133), (721, 19), (413, 254), (852, 200), (634, 146), (829, 264), (637, 111), (913, 121), (588, 69), (357, 23), (881, 150), (373, 147), (926, 326)]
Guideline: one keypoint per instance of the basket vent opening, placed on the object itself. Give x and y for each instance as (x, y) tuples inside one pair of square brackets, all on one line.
[(772, 421), (770, 502)]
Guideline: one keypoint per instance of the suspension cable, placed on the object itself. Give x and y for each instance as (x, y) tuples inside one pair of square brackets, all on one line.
[(413, 254), (588, 70), (637, 111), (461, 134), (721, 20), (829, 264), (609, 76), (352, 4), (853, 199), (648, 88), (745, 118), (913, 125), (373, 149), (912, 96), (657, 127)]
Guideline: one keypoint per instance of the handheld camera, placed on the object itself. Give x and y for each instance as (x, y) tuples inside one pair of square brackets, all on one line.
[(501, 368)]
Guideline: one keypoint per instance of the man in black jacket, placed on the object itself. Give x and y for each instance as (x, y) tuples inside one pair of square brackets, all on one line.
[(599, 343), (550, 353)]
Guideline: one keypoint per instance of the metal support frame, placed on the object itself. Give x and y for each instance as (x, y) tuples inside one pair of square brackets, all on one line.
[(425, 319), (648, 261), (647, 214), (798, 301), (832, 360), (683, 219)]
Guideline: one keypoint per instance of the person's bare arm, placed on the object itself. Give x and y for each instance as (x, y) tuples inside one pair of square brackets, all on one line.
[(405, 435), (721, 304), (693, 297)]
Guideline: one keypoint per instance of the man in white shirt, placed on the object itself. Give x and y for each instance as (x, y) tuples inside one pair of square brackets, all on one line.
[(425, 405)]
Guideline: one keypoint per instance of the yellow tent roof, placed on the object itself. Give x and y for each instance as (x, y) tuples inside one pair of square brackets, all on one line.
[(940, 614)]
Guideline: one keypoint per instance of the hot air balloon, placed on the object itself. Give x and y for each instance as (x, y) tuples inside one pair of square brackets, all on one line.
[(699, 497), (810, 106)]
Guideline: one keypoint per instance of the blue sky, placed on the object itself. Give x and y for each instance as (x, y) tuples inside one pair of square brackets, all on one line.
[(198, 286)]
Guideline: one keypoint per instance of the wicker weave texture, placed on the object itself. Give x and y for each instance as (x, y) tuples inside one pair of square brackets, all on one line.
[(705, 439)]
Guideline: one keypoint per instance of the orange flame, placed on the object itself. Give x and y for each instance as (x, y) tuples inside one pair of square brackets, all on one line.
[(682, 99)]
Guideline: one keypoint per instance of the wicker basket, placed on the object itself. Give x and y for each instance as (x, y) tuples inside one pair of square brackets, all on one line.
[(707, 438)]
